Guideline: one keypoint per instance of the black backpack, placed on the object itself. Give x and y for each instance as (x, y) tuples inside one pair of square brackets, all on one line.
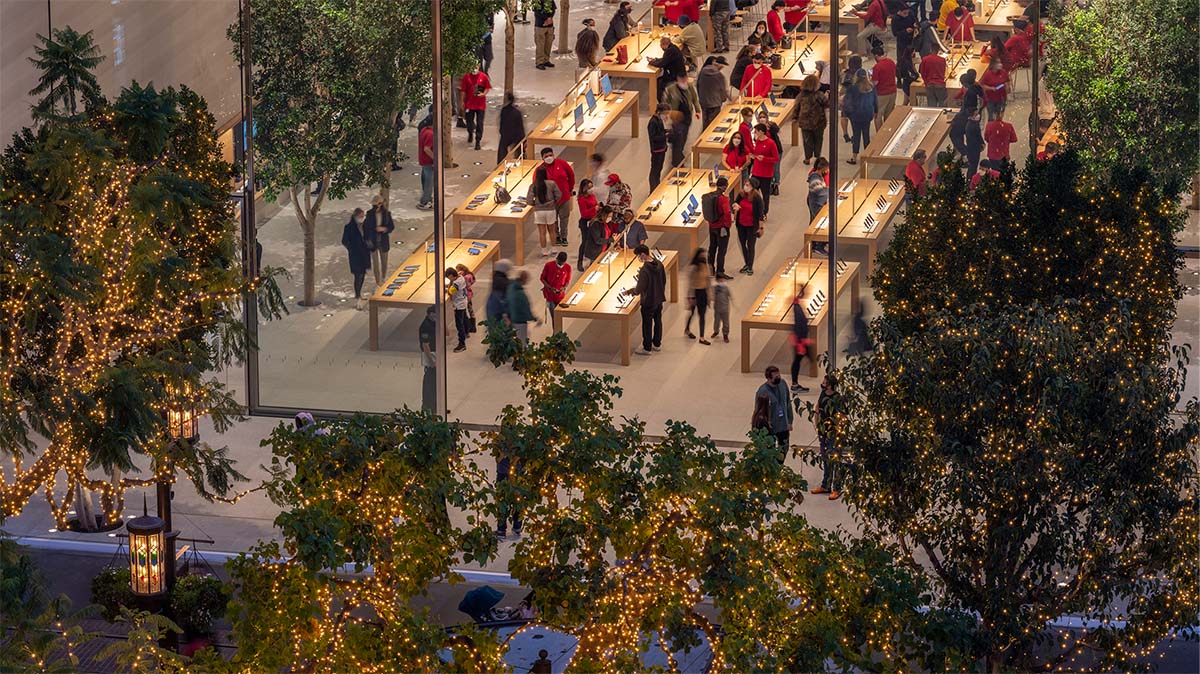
[(708, 206)]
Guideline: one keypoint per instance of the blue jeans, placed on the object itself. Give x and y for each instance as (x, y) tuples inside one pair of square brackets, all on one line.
[(862, 133), (426, 185)]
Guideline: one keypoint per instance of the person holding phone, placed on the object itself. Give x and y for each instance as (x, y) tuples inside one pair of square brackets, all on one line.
[(994, 83)]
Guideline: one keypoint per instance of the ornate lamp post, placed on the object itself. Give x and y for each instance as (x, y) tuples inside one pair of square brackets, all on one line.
[(151, 568)]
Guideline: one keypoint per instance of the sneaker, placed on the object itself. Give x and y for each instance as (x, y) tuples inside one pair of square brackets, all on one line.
[(725, 276), (425, 207), (548, 64), (749, 272), (726, 339), (835, 495), (641, 352), (743, 270), (516, 533), (540, 66), (460, 348), (774, 187), (476, 146), (796, 388), (359, 304), (819, 490), (471, 139), (658, 348), (501, 534)]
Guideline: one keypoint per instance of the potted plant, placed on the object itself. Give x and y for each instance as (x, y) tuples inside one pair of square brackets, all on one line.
[(111, 591), (196, 602)]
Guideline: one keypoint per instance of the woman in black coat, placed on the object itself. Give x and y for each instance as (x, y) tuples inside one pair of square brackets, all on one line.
[(358, 253), (512, 128), (377, 232)]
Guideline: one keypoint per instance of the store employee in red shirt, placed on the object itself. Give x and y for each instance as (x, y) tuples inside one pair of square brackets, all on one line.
[(933, 74), (475, 86), (915, 172), (999, 134), (563, 175), (673, 9), (884, 77), (775, 20), (994, 82), (757, 80), (762, 172)]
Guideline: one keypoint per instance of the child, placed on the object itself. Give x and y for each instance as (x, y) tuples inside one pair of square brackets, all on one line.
[(721, 301)]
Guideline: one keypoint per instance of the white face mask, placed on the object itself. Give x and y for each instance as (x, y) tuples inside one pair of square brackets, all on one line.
[(683, 85), (737, 141), (549, 159), (360, 220)]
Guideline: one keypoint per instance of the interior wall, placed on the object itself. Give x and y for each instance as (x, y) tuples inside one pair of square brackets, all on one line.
[(167, 42)]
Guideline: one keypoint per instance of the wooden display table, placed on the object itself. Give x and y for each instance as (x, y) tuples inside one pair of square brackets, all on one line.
[(800, 60), (993, 16), (414, 284), (959, 60), (1053, 134), (865, 209), (809, 279), (713, 139), (656, 17), (641, 47), (596, 123), (848, 21), (671, 198), (593, 294), (905, 130), (476, 209)]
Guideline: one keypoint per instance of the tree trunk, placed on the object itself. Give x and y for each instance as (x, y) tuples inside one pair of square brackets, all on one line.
[(385, 190), (307, 217), (510, 43), (84, 512), (564, 21), (447, 125)]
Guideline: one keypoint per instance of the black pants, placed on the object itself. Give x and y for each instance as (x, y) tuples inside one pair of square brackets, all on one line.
[(709, 114), (699, 306), (678, 136), (429, 390), (763, 185), (717, 246), (747, 236), (651, 327), (505, 146), (460, 323), (507, 513), (782, 439), (972, 162), (813, 139), (796, 358), (656, 166), (475, 125), (358, 284), (583, 229)]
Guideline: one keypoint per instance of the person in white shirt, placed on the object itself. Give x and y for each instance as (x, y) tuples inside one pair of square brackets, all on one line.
[(457, 289)]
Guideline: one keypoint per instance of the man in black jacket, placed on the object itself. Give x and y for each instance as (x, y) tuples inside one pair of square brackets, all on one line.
[(652, 288), (672, 63), (543, 31), (618, 26), (512, 128), (657, 131), (377, 230)]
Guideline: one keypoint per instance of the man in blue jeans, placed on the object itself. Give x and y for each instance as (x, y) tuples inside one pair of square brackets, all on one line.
[(425, 159)]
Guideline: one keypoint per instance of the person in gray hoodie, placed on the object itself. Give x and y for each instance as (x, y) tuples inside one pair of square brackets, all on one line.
[(818, 196), (712, 88)]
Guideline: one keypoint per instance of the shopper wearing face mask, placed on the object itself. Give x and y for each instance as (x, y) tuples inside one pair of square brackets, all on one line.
[(765, 156), (377, 230), (773, 135), (563, 175), (475, 86), (775, 399), (359, 256), (748, 214), (712, 88), (735, 155)]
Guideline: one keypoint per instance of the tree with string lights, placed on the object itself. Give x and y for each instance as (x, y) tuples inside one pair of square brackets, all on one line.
[(363, 490), (628, 539), (120, 291), (1014, 432)]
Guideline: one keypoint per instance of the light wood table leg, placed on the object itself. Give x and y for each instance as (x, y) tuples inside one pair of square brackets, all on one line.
[(635, 120), (855, 297), (695, 157), (807, 243), (872, 251), (795, 132), (817, 347), (674, 283), (373, 310), (557, 322), (626, 347), (745, 347), (652, 90), (456, 226), (519, 253)]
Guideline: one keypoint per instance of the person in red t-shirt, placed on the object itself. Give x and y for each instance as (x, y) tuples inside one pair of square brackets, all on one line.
[(733, 157), (475, 86), (1019, 49), (756, 81), (796, 11), (960, 26), (874, 22), (915, 173), (933, 74), (587, 211), (563, 175), (994, 82), (762, 172), (718, 230), (978, 177), (746, 128), (425, 161), (884, 77), (673, 9), (556, 276), (999, 134)]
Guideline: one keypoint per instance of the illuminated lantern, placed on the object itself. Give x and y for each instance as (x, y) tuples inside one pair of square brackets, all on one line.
[(183, 421), (148, 555)]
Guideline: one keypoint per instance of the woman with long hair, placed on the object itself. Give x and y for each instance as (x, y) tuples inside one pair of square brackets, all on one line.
[(733, 157), (544, 196), (748, 212), (699, 280), (812, 114), (860, 105)]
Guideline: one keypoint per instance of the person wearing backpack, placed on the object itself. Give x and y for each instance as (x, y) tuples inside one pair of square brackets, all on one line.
[(719, 216)]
